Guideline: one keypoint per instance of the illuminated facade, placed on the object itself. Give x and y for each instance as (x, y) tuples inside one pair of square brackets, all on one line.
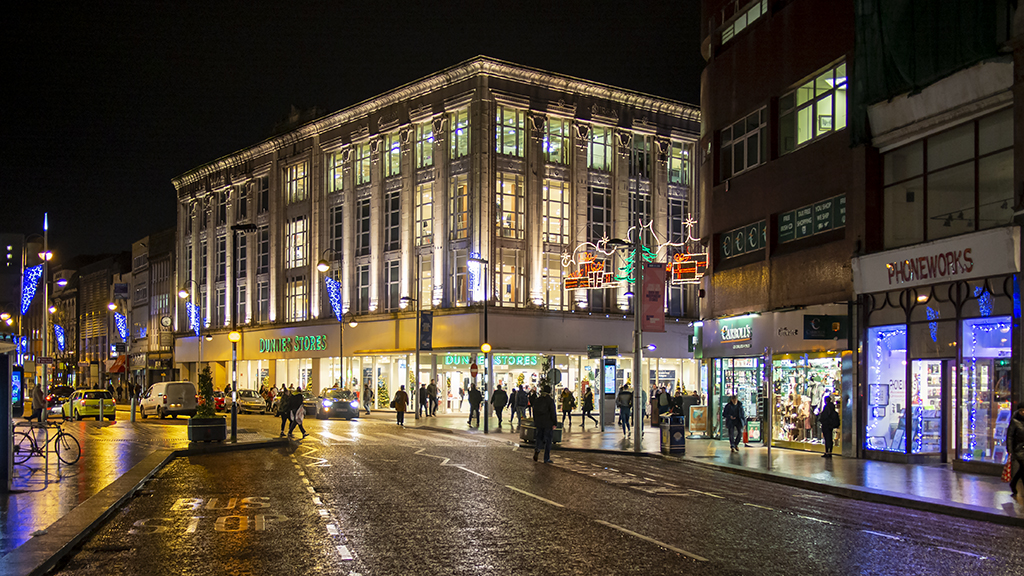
[(413, 196)]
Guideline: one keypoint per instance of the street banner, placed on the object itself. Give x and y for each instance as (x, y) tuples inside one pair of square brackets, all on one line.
[(426, 330), (653, 298)]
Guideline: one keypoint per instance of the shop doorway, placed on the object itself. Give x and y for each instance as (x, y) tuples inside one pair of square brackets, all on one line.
[(742, 377), (931, 415)]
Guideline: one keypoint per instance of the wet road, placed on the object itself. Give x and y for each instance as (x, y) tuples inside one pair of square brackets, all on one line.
[(371, 498)]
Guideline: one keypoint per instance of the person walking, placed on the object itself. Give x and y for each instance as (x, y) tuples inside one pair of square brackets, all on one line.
[(588, 406), (1014, 446), (829, 420), (423, 400), (522, 402), (296, 412), (475, 398), (38, 402), (462, 397), (544, 419), (367, 397), (624, 401), (733, 417), (499, 399), (282, 408), (568, 404), (400, 404), (432, 398), (531, 399)]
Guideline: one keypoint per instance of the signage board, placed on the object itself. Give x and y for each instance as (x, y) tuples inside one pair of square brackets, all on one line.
[(44, 360), (817, 218), (611, 350), (698, 418), (749, 238), (609, 375), (474, 369), (652, 292), (753, 430), (824, 327), (294, 344), (426, 330), (594, 351)]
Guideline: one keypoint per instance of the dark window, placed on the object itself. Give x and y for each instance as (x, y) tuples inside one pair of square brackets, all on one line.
[(392, 220), (363, 227)]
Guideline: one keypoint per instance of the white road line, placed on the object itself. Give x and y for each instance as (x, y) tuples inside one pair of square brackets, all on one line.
[(534, 496), (813, 518), (471, 472), (756, 506), (301, 473), (653, 541), (332, 530), (298, 467), (708, 494), (323, 513), (672, 485), (317, 501), (336, 437), (305, 480), (311, 490), (344, 553), (456, 437), (883, 535), (962, 552)]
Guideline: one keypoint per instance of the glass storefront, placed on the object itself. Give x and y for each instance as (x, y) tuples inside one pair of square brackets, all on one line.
[(985, 402), (800, 385), (887, 360), (742, 377)]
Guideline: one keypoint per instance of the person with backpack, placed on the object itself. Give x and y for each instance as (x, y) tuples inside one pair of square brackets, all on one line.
[(568, 402), (624, 401), (829, 420)]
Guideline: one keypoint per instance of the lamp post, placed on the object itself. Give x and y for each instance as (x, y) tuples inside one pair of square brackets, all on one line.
[(323, 266), (486, 346), (184, 295), (403, 303), (124, 337), (46, 255), (638, 403), (234, 336)]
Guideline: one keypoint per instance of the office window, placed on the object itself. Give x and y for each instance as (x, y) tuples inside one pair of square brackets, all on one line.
[(600, 149), (263, 194), (362, 169), (509, 206), (813, 110), (204, 262), (392, 155), (460, 277), (459, 134), (204, 307), (599, 214), (392, 219), (392, 291), (676, 219), (458, 204), (425, 214), (509, 279), (188, 272), (426, 282), (511, 131), (335, 172), (222, 258), (556, 140), (296, 249), (295, 183), (555, 219), (242, 209), (241, 255), (362, 227), (222, 207), (678, 164), (240, 305), (744, 144), (553, 280), (424, 145), (263, 251), (640, 156), (336, 241), (362, 303), (296, 299), (639, 201), (220, 307), (263, 301), (745, 18)]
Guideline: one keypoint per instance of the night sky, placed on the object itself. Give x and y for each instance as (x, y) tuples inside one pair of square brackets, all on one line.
[(105, 102)]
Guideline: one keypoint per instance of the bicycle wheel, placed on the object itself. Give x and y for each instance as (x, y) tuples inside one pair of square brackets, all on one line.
[(67, 447), (24, 447)]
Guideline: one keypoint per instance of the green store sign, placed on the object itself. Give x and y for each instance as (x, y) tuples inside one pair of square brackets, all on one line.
[(499, 359), (293, 344)]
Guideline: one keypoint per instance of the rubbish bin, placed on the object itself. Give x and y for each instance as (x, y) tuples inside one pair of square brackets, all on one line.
[(673, 435)]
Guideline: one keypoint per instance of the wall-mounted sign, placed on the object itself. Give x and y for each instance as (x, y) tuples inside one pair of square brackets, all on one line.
[(499, 359), (293, 344), (744, 240), (822, 327), (817, 218)]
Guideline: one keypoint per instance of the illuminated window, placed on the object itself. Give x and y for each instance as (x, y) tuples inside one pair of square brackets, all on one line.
[(295, 183), (392, 291), (362, 164), (678, 164), (392, 155), (459, 134), (814, 110), (555, 219), (295, 253), (745, 18), (424, 145), (556, 140), (425, 214), (553, 280), (335, 172), (460, 277), (458, 203), (509, 279), (362, 227), (511, 131), (599, 149), (745, 144), (509, 208), (296, 299)]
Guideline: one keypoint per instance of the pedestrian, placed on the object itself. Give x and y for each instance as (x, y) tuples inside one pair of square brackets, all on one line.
[(733, 417), (367, 397), (522, 403), (432, 398), (664, 401), (499, 399), (531, 399), (38, 401), (829, 420), (400, 404), (423, 401), (462, 397), (544, 419), (282, 408), (588, 406), (475, 398), (624, 401), (1014, 446), (296, 412), (120, 392), (568, 405)]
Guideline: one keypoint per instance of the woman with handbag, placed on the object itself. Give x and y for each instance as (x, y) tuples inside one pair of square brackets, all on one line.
[(1015, 447)]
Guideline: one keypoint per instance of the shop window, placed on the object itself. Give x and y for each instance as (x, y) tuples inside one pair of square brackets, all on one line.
[(985, 402), (801, 385), (553, 279), (509, 209), (926, 403), (887, 361), (813, 110)]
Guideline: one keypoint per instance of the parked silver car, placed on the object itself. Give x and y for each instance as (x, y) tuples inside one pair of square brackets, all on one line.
[(251, 401)]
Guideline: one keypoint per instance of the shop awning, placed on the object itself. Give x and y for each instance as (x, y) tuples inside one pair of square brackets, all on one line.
[(118, 364)]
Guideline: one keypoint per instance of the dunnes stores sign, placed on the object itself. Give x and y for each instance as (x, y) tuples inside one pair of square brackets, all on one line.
[(293, 344)]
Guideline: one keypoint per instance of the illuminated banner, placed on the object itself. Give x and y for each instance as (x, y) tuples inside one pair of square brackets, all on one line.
[(688, 268), (426, 330), (591, 275), (653, 302)]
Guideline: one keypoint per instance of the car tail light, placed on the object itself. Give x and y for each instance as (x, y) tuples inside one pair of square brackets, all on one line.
[(165, 399), (82, 402), (49, 398), (114, 401)]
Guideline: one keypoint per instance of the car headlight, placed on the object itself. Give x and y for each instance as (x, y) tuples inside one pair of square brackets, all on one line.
[(328, 403), (354, 404)]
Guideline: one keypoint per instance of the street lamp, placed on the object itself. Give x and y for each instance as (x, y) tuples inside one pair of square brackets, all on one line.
[(403, 303), (337, 305), (235, 336), (635, 245), (485, 347)]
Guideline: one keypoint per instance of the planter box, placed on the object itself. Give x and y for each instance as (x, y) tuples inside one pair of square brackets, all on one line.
[(528, 432), (207, 429)]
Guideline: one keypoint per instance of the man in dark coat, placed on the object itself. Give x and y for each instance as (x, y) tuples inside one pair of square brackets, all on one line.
[(296, 411), (423, 401), (432, 398), (829, 420), (1015, 446), (499, 399), (734, 420), (522, 401), (475, 398), (544, 418)]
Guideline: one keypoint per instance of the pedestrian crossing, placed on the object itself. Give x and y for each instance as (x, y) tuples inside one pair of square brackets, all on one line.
[(419, 438)]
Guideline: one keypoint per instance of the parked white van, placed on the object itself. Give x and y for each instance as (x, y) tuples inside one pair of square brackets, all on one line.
[(169, 398)]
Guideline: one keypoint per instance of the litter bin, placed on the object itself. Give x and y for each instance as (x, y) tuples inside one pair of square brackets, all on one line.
[(528, 432), (673, 435)]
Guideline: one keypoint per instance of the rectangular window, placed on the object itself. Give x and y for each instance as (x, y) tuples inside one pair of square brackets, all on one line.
[(509, 207), (886, 394), (335, 172), (363, 227), (188, 261), (263, 301), (362, 160), (459, 134), (263, 251), (392, 219), (205, 307), (263, 194), (813, 110), (222, 208), (426, 281), (362, 303), (458, 203), (240, 305), (460, 277), (599, 214), (425, 145), (553, 281), (296, 249), (220, 307), (556, 140), (555, 219), (745, 18), (678, 164), (744, 144), (242, 256), (639, 201), (204, 262), (222, 258), (599, 149), (509, 279), (295, 183), (425, 214), (640, 157), (511, 131), (676, 217), (985, 401), (242, 209), (392, 155), (337, 240), (296, 299), (392, 292)]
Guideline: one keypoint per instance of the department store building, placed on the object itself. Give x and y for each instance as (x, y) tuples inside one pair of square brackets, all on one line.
[(473, 195)]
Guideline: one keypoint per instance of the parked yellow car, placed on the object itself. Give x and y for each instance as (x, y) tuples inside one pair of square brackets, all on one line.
[(87, 403)]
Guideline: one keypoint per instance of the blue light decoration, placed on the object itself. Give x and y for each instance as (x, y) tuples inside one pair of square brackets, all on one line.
[(58, 333), (334, 293), (192, 311), (476, 279), (29, 286), (933, 327), (985, 300), (972, 393), (122, 326)]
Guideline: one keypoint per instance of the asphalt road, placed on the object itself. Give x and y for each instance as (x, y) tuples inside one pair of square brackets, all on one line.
[(368, 497)]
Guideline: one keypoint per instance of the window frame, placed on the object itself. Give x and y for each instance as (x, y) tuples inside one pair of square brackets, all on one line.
[(424, 145), (362, 223), (510, 223), (730, 141), (548, 234), (362, 164), (790, 113), (295, 182), (458, 134), (425, 213), (510, 131), (458, 204)]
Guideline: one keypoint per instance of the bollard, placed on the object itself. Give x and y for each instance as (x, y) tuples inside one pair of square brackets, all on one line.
[(133, 408)]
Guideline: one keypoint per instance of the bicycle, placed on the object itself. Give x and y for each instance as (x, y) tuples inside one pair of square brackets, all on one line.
[(65, 446)]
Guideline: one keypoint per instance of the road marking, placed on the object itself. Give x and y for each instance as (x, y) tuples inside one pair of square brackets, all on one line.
[(708, 494), (301, 473), (323, 513), (471, 472), (332, 530), (335, 437), (299, 467), (882, 534), (317, 501), (756, 506), (815, 519), (311, 490), (344, 553), (305, 480), (962, 552), (534, 496), (672, 485), (653, 541)]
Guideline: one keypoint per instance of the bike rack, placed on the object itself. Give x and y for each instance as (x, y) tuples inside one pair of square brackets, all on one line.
[(47, 426)]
